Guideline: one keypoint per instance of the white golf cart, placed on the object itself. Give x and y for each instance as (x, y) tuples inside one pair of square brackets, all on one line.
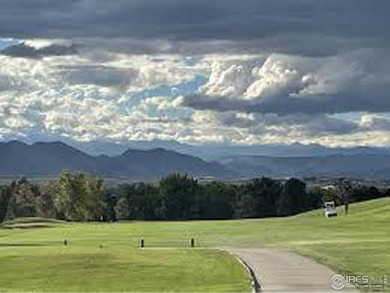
[(330, 209)]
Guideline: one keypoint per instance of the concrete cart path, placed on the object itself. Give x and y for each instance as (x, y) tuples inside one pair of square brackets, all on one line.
[(283, 271)]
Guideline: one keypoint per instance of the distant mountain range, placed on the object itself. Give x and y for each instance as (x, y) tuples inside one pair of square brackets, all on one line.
[(50, 158), (214, 151), (359, 166)]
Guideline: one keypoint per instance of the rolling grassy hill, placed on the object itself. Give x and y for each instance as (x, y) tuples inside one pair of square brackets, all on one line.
[(108, 257)]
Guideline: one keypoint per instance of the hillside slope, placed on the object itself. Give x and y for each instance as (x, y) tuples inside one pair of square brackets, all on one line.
[(45, 159), (364, 166)]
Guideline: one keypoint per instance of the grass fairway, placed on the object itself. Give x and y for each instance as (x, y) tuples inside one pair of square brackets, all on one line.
[(79, 269), (105, 257), (100, 258)]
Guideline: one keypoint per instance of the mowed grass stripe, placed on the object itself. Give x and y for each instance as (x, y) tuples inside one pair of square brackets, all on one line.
[(117, 269), (354, 244)]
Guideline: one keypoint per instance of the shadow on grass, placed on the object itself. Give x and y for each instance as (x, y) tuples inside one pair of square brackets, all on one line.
[(27, 226), (29, 244)]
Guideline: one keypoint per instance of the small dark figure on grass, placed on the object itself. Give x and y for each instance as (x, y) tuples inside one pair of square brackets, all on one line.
[(346, 207), (346, 202), (65, 242), (345, 188)]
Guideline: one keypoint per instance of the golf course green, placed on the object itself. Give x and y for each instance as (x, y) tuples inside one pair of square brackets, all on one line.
[(107, 256)]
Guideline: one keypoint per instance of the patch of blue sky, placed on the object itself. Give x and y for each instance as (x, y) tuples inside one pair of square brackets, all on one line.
[(7, 42), (350, 116), (385, 115), (168, 91), (176, 90), (81, 92), (192, 60), (356, 116)]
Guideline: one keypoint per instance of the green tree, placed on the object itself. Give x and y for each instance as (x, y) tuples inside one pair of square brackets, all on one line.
[(259, 198), (144, 200), (149, 201), (69, 199), (22, 200), (266, 192), (178, 195), (94, 188), (293, 197), (44, 203), (214, 200), (314, 200), (5, 196), (108, 200), (79, 197), (122, 210), (245, 205), (362, 192)]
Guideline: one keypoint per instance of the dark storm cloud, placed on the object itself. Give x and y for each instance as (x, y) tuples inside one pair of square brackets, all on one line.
[(285, 105), (23, 50), (307, 27), (310, 123)]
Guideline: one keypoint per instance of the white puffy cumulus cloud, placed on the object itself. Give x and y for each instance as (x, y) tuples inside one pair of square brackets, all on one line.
[(127, 73), (287, 84), (273, 98), (375, 122), (243, 99), (44, 43), (234, 72), (231, 75), (87, 118), (89, 96), (254, 128), (155, 70), (161, 103)]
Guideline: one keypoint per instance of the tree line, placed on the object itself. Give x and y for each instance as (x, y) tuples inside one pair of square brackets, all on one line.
[(83, 197)]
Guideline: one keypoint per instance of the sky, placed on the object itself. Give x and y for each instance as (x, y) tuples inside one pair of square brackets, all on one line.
[(235, 72)]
